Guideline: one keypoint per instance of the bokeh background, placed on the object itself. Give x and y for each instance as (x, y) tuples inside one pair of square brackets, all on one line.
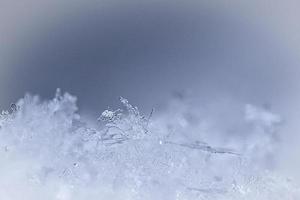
[(99, 50)]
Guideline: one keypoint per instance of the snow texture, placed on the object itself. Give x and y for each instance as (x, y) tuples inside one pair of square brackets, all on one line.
[(47, 151)]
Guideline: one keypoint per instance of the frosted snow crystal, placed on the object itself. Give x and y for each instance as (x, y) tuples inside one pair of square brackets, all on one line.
[(48, 152), (108, 115)]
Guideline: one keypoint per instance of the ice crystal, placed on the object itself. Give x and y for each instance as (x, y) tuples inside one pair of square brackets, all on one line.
[(47, 151)]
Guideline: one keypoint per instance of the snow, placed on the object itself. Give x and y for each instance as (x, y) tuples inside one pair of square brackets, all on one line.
[(47, 151)]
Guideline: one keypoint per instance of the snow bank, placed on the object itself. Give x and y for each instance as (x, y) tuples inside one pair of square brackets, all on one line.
[(48, 152)]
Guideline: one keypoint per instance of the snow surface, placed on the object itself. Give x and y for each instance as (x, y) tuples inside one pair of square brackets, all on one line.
[(47, 151)]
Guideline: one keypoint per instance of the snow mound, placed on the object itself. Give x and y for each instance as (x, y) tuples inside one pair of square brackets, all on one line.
[(48, 152)]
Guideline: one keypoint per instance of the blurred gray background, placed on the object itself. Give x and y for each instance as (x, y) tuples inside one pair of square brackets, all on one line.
[(146, 50)]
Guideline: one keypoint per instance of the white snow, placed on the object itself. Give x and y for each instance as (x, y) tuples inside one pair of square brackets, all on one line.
[(48, 152)]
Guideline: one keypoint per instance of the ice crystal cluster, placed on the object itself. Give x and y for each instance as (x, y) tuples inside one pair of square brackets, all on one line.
[(47, 151)]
